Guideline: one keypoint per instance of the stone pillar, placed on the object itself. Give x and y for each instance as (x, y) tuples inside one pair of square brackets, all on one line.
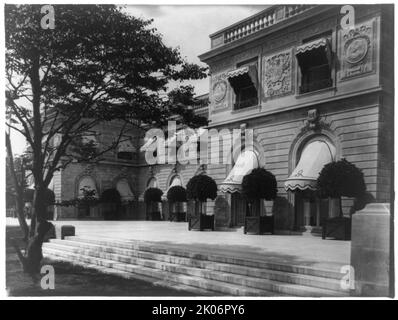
[(371, 250)]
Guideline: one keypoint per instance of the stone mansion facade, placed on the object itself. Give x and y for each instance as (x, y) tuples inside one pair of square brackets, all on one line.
[(311, 91)]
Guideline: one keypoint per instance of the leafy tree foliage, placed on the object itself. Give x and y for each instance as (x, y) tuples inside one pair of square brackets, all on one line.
[(98, 64), (201, 188), (259, 184)]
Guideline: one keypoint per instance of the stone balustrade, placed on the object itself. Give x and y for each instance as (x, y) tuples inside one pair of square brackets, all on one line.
[(260, 21)]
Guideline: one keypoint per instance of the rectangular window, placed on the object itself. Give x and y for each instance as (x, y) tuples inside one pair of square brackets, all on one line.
[(314, 60), (244, 82)]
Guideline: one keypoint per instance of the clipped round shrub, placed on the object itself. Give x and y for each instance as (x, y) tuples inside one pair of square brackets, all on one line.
[(177, 194), (201, 188), (341, 178), (153, 195), (110, 196), (259, 184)]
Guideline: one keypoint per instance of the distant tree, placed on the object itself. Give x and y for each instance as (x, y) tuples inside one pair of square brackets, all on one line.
[(98, 64)]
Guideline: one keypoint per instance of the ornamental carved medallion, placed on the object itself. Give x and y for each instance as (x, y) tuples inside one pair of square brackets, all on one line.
[(219, 91), (278, 74), (357, 50)]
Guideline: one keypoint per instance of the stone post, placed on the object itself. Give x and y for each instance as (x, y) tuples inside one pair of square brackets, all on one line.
[(371, 250)]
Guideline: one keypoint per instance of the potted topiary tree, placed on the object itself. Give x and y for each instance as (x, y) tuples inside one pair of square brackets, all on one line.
[(258, 184), (339, 179), (199, 189), (111, 203), (176, 196), (152, 198)]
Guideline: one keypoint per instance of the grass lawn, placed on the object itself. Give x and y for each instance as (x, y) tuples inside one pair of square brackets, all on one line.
[(73, 280)]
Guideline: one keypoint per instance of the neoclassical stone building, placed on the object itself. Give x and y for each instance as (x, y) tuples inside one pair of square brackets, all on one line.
[(311, 91), (124, 169)]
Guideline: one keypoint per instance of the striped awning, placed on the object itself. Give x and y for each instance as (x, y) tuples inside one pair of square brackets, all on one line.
[(318, 43), (313, 158), (242, 76), (246, 162)]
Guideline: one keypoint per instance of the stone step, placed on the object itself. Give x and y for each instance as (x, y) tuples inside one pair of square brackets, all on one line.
[(247, 281), (228, 258), (133, 256), (129, 275), (191, 281)]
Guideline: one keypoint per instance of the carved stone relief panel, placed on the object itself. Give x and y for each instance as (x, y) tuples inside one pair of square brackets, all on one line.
[(219, 89), (357, 50), (278, 74)]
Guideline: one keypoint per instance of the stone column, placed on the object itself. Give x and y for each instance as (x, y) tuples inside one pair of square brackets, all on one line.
[(371, 250)]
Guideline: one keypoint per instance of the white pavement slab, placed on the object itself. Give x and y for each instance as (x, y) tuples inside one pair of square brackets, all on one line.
[(291, 249)]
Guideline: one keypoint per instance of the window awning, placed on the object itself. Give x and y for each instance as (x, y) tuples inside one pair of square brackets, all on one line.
[(124, 190), (313, 158), (152, 183), (309, 46), (175, 182), (303, 51), (246, 162), (243, 77)]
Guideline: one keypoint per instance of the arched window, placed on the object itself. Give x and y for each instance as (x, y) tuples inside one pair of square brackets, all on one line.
[(86, 183), (124, 189), (152, 183), (175, 181)]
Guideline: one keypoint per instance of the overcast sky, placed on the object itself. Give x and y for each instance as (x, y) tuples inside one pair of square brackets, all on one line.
[(183, 26), (189, 27)]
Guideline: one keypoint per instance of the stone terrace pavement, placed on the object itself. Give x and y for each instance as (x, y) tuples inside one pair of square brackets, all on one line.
[(288, 249)]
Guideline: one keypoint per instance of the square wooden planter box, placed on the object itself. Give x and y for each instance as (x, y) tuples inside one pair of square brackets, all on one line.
[(338, 228), (259, 225), (178, 216), (201, 222)]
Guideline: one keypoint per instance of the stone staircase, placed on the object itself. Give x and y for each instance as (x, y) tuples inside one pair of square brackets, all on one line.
[(200, 272)]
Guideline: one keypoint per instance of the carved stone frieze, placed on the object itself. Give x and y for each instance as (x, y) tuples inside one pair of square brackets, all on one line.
[(278, 74)]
